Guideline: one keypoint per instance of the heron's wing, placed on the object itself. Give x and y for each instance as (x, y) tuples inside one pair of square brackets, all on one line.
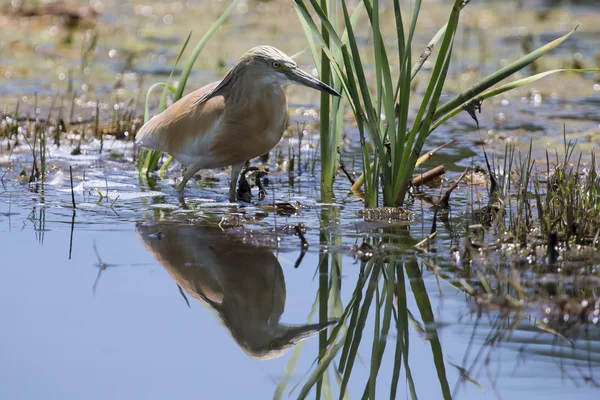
[(215, 90), (182, 128), (240, 281), (181, 250)]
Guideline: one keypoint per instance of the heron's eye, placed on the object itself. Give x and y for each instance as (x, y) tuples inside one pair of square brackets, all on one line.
[(273, 345), (276, 64)]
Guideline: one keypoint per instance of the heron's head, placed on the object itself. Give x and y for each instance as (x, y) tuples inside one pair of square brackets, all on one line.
[(276, 339), (275, 65)]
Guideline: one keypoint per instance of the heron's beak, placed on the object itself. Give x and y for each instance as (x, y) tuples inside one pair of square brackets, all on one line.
[(304, 78), (295, 334)]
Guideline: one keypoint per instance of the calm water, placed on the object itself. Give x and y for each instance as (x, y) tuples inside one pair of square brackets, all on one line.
[(76, 330), (95, 305)]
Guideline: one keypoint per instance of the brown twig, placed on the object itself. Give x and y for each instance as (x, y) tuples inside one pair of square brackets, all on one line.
[(443, 202), (72, 191), (303, 246), (428, 176), (345, 171)]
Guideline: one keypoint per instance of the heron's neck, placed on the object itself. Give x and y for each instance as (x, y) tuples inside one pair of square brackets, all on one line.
[(252, 86)]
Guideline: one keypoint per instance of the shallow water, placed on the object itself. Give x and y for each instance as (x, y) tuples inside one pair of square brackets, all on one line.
[(93, 307), (135, 296)]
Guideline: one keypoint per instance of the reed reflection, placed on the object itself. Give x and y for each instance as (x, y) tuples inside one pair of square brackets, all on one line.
[(244, 284)]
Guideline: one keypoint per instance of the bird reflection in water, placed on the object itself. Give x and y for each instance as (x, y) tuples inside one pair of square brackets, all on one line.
[(244, 284)]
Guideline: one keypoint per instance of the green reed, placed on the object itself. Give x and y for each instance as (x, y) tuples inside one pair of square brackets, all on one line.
[(394, 143)]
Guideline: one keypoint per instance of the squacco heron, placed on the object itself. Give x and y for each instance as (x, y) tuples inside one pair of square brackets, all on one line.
[(243, 284), (228, 122)]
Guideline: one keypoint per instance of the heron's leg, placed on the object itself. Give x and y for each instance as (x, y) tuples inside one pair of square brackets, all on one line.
[(235, 172), (191, 171)]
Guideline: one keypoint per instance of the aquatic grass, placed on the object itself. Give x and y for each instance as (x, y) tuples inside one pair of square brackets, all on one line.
[(332, 108), (382, 115), (9, 127), (328, 157), (37, 143), (532, 250), (571, 203), (563, 198), (149, 159), (369, 118)]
